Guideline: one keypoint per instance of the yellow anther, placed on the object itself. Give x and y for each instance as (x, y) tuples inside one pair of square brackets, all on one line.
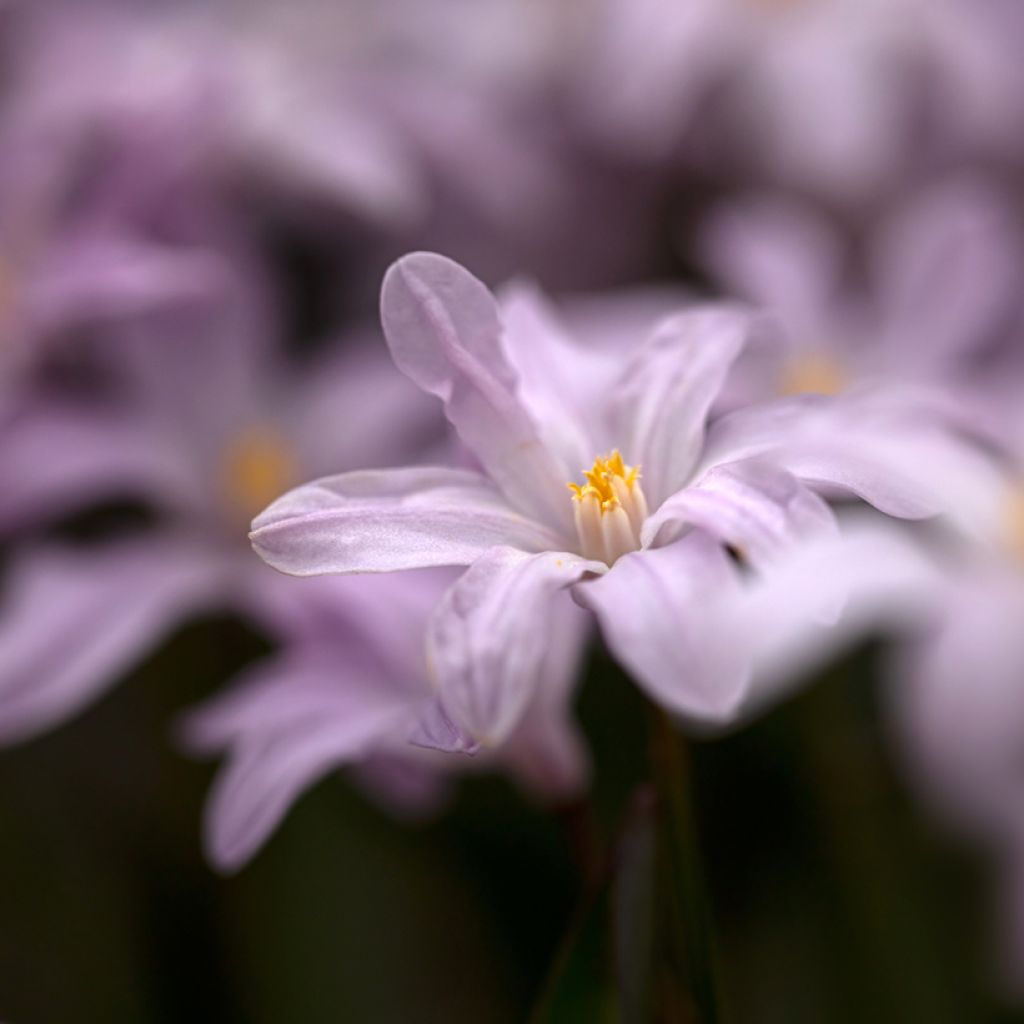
[(601, 479), (258, 465), (610, 508), (815, 373), (1015, 521)]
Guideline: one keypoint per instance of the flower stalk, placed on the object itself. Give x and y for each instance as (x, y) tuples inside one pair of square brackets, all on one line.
[(688, 989)]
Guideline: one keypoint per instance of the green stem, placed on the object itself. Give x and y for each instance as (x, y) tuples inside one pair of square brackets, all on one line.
[(691, 989)]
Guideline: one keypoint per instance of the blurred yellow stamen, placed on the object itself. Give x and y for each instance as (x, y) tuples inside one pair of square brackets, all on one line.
[(610, 508), (813, 374), (775, 6), (258, 466), (1015, 521)]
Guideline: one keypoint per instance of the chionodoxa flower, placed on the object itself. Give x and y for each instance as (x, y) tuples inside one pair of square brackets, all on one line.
[(659, 538)]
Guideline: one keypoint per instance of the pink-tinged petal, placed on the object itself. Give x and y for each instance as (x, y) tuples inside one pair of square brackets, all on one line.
[(443, 327), (296, 721), (412, 785), (716, 646), (658, 612), (490, 639), (547, 751), (561, 383), (948, 272), (883, 452), (779, 255), (57, 459), (353, 409), (110, 278), (825, 595), (662, 402), (73, 621), (384, 520), (753, 506), (957, 708)]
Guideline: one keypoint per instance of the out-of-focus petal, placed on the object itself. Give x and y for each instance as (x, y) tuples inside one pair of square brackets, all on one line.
[(661, 404), (778, 255), (444, 331), (958, 713), (659, 613), (490, 638), (292, 723), (753, 506), (74, 620), (56, 459), (103, 278), (383, 520), (823, 596), (948, 271), (354, 410)]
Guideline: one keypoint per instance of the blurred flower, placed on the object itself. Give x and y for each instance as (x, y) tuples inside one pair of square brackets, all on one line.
[(940, 283), (642, 545), (211, 424), (821, 94), (349, 688), (957, 691)]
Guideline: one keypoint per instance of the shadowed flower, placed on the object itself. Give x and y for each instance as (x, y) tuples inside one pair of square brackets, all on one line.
[(820, 94), (644, 544), (211, 424), (348, 688), (940, 282)]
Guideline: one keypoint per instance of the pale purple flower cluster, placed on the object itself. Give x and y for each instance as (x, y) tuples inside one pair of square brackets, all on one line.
[(727, 472)]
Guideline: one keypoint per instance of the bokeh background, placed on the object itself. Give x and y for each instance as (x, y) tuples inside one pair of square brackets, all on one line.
[(176, 172)]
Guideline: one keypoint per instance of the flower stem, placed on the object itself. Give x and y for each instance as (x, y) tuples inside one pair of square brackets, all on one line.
[(689, 990)]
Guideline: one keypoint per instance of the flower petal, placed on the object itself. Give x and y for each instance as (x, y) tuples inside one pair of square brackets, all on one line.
[(658, 612), (662, 402), (105, 608), (562, 383), (490, 639), (948, 270), (383, 520), (778, 254), (547, 752), (716, 646), (862, 444), (956, 700), (443, 328), (294, 721), (825, 595), (751, 505), (56, 460)]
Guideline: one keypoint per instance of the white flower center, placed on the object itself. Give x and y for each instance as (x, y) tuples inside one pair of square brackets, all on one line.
[(610, 509)]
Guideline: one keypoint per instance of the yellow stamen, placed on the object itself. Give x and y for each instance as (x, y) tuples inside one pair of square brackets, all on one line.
[(775, 6), (1015, 521), (814, 373), (610, 508), (258, 465)]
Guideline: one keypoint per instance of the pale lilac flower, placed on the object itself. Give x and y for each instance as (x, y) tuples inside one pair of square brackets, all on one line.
[(641, 542), (348, 688), (829, 95), (953, 598), (214, 424), (938, 285), (958, 692)]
